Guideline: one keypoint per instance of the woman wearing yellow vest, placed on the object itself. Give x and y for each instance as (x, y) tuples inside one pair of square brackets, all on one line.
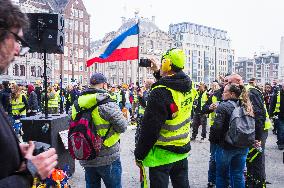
[(164, 141), (52, 96), (18, 102)]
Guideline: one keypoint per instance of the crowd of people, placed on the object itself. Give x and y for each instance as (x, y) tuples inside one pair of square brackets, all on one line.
[(165, 110)]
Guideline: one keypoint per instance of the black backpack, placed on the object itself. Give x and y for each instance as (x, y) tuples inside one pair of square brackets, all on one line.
[(241, 131)]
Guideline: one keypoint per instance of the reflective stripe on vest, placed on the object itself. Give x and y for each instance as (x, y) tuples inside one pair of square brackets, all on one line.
[(17, 105), (212, 114), (87, 101), (113, 96), (277, 106), (176, 132), (267, 124)]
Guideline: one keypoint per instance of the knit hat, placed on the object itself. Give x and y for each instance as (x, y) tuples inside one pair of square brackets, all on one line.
[(97, 78)]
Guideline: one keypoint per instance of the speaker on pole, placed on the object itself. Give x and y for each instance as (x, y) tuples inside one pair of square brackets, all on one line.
[(46, 33)]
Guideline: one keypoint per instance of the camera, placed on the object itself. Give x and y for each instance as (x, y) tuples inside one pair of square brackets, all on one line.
[(145, 63), (40, 147)]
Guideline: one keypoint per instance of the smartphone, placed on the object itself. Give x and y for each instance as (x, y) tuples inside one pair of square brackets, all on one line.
[(145, 63)]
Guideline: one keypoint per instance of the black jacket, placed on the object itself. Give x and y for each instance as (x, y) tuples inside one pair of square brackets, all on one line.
[(5, 99), (273, 104), (221, 124), (158, 111), (33, 101), (10, 157), (258, 103)]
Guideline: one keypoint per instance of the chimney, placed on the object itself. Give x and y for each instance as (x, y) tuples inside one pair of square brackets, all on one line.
[(153, 19), (123, 19)]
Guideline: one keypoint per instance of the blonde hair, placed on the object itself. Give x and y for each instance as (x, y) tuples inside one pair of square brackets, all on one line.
[(17, 92), (242, 94)]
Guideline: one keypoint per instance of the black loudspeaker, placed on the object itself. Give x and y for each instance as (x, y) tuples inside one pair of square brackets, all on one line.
[(37, 128), (46, 33)]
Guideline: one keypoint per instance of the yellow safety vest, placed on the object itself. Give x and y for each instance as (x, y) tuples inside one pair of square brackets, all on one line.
[(53, 103), (204, 99), (113, 96), (212, 114), (17, 105), (277, 106), (102, 125), (267, 124), (175, 132)]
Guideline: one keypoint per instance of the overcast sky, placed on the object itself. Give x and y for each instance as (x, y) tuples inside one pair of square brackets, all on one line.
[(252, 25)]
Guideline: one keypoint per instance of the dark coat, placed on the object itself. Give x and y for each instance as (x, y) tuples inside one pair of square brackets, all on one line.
[(10, 158), (273, 104), (33, 101)]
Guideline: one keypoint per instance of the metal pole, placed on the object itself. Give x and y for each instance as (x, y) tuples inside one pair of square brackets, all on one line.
[(45, 85), (138, 74)]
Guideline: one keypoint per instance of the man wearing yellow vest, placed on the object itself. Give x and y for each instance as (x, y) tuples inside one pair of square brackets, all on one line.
[(256, 176), (198, 117), (110, 122), (164, 141), (210, 108), (277, 111)]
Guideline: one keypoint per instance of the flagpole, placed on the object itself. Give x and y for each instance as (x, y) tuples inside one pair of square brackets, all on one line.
[(138, 60)]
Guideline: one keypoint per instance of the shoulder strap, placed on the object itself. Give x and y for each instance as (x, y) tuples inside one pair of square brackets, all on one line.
[(233, 103), (79, 109)]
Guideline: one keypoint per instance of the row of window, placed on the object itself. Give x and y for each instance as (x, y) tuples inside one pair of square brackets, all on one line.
[(77, 40), (76, 25), (20, 70), (68, 52)]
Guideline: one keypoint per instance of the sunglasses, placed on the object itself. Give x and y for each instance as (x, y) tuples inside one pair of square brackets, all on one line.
[(24, 47)]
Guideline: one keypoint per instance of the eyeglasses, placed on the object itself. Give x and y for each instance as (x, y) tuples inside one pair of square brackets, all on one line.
[(24, 47)]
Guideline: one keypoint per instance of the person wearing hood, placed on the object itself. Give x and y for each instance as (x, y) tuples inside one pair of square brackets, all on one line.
[(110, 123), (164, 141), (32, 101)]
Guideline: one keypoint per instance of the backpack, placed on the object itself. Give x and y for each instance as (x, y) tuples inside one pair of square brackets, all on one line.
[(241, 131), (84, 143)]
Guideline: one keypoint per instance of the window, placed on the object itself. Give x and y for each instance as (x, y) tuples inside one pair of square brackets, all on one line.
[(33, 71), (86, 28), (81, 26), (39, 71), (81, 14), (81, 40), (22, 70), (76, 39), (76, 25), (66, 23), (66, 37), (81, 53), (86, 42), (65, 50), (71, 24), (66, 65), (16, 70)]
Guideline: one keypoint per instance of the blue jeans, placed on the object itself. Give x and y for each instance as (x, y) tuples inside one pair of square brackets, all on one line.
[(280, 131), (111, 175), (230, 162), (212, 164)]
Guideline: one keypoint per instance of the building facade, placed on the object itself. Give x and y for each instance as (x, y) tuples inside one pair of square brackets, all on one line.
[(152, 41), (208, 50), (29, 68), (281, 60), (245, 68), (263, 67), (71, 64)]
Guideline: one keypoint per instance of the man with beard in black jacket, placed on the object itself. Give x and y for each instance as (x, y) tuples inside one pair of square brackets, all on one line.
[(164, 140), (17, 163)]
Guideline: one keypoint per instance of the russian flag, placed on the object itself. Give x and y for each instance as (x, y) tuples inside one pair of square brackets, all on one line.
[(122, 48)]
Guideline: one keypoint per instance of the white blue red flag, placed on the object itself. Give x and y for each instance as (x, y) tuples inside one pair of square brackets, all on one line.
[(122, 48)]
